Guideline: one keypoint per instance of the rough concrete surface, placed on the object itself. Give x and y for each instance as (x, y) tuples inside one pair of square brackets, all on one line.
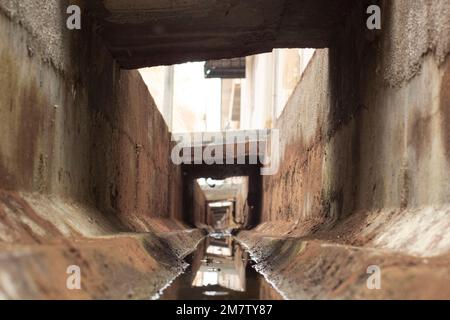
[(365, 172), (86, 177), (84, 167), (114, 267), (148, 33), (422, 22), (324, 270)]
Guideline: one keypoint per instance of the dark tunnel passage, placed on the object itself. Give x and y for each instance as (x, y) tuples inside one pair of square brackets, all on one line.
[(191, 173)]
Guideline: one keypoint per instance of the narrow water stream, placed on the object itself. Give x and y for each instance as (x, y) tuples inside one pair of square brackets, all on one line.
[(220, 269)]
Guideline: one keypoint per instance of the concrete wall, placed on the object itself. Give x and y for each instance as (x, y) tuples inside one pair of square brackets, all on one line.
[(84, 161), (201, 211), (365, 136), (73, 125)]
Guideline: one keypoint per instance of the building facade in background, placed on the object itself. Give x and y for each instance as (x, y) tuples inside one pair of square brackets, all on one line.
[(230, 94)]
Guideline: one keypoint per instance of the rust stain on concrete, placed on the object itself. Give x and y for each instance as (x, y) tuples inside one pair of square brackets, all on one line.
[(445, 109)]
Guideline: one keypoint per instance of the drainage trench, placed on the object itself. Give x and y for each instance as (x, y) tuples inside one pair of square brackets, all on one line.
[(319, 144)]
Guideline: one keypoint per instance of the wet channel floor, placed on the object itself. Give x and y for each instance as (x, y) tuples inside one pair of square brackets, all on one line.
[(220, 269)]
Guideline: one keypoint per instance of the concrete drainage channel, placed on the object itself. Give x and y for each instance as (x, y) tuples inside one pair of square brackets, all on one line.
[(341, 191)]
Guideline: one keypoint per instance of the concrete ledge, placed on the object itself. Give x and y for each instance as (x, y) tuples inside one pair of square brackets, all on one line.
[(422, 232), (323, 270), (114, 267), (42, 236)]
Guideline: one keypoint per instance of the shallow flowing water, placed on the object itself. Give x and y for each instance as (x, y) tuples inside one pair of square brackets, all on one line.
[(220, 269)]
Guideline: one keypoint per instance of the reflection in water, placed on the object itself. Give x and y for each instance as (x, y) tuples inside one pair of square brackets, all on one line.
[(222, 265), (220, 269)]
